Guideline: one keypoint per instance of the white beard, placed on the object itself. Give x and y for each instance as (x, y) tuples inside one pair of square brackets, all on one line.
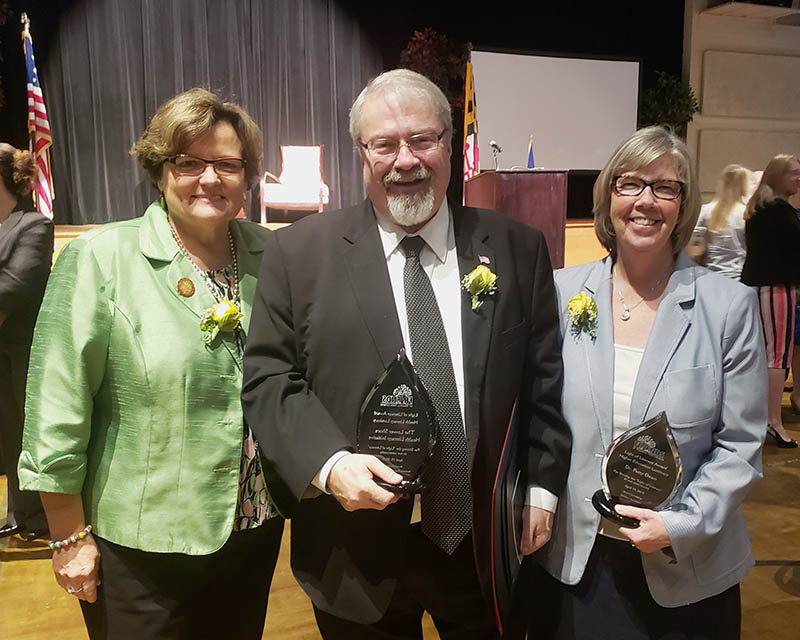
[(409, 210)]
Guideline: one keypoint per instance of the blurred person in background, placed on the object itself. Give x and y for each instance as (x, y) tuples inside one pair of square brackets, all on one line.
[(719, 231), (772, 265), (26, 250)]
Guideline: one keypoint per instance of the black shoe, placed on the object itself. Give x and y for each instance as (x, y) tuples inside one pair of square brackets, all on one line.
[(9, 530), (783, 444)]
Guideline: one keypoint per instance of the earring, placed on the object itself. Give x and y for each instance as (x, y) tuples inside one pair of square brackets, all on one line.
[(162, 201)]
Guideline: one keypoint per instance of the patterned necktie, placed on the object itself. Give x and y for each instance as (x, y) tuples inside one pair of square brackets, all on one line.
[(447, 498)]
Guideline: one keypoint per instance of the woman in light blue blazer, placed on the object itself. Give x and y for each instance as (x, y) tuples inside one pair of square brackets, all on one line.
[(651, 331)]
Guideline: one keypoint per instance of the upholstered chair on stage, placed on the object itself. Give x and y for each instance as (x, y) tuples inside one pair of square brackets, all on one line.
[(300, 187)]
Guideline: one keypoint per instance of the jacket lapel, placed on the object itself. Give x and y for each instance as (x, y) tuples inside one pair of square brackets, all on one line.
[(369, 280), (157, 244), (598, 355), (671, 323), (476, 325)]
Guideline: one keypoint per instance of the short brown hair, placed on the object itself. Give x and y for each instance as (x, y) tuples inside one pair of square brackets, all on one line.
[(642, 148), (188, 116), (17, 170)]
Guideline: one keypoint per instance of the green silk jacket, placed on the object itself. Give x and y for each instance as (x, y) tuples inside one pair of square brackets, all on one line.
[(125, 402)]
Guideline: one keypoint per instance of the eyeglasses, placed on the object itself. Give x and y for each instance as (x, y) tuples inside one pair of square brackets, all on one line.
[(662, 189), (385, 148), (191, 166)]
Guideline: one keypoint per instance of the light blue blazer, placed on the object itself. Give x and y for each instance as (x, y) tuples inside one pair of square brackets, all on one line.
[(705, 366)]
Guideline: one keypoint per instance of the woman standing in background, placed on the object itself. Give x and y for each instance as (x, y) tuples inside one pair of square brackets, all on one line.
[(26, 250), (772, 231), (720, 228)]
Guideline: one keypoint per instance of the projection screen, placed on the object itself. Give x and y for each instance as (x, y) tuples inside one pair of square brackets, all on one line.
[(578, 110)]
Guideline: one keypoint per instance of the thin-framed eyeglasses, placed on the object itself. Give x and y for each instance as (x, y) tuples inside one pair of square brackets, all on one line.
[(661, 189), (388, 148), (193, 166)]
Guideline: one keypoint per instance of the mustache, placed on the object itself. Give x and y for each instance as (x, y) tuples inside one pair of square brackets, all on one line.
[(398, 176)]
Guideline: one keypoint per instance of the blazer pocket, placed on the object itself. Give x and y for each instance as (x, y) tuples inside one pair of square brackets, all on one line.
[(514, 335), (692, 395)]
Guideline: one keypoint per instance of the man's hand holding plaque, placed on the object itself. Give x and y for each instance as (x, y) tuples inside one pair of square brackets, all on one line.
[(398, 426), (642, 468)]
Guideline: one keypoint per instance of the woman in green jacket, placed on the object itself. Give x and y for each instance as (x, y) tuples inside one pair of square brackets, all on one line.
[(134, 434)]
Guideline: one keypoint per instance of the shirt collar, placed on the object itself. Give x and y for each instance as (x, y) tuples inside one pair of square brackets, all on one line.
[(435, 233)]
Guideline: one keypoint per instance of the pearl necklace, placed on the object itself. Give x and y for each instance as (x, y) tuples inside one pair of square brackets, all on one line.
[(626, 310), (203, 274)]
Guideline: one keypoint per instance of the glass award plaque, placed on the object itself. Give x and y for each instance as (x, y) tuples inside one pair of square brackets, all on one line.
[(397, 424), (641, 468)]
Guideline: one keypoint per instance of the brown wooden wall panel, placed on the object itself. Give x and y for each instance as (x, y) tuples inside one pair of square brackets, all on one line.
[(537, 198)]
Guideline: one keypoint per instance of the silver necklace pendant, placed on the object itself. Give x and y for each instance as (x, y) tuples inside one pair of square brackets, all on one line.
[(626, 313)]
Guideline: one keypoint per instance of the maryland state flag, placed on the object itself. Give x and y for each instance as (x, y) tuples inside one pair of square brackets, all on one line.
[(471, 152)]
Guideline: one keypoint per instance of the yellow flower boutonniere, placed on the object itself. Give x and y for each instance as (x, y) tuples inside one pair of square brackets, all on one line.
[(223, 316), (479, 282), (582, 311)]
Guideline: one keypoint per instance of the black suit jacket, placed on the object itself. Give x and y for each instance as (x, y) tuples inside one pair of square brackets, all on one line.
[(26, 250), (324, 327), (773, 245)]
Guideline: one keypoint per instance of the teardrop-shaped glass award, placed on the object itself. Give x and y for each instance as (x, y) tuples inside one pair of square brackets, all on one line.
[(397, 424), (641, 468)]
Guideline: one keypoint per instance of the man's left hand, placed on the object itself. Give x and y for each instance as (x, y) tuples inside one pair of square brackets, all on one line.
[(537, 524), (651, 534)]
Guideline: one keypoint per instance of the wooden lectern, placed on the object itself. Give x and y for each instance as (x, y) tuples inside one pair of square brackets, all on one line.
[(536, 197)]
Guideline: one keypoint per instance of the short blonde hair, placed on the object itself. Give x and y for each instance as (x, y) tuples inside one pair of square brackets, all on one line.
[(408, 85), (188, 116), (642, 148)]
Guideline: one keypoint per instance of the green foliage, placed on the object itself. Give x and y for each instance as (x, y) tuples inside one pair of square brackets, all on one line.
[(443, 61), (670, 102)]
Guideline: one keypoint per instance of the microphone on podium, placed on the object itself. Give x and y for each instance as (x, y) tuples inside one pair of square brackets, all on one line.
[(496, 151)]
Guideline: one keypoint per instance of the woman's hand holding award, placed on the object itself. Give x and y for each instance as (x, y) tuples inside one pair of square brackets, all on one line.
[(641, 468)]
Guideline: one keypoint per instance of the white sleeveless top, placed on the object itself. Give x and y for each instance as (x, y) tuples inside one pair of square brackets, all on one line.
[(626, 367)]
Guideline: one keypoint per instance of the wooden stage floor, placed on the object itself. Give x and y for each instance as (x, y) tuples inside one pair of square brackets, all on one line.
[(33, 607)]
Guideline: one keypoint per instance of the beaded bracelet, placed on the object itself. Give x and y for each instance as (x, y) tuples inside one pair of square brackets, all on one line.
[(60, 544)]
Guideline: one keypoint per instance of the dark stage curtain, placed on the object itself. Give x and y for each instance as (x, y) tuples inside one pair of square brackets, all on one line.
[(295, 65)]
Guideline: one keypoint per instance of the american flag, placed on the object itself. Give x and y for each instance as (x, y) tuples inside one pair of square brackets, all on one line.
[(38, 128)]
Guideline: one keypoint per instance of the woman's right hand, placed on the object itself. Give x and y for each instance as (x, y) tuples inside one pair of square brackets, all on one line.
[(77, 568)]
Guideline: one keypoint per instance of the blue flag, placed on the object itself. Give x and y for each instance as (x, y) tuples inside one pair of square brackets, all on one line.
[(531, 164)]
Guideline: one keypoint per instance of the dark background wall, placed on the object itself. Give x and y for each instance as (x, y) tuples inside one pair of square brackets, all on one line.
[(651, 32)]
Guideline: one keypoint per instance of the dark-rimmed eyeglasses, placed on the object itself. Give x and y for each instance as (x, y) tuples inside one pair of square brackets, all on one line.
[(194, 166), (661, 189), (386, 148)]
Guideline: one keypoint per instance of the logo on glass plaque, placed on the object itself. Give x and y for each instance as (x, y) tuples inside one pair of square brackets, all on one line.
[(397, 424), (641, 468)]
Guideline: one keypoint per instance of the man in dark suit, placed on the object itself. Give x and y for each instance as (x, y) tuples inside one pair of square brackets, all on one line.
[(26, 249), (340, 294)]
